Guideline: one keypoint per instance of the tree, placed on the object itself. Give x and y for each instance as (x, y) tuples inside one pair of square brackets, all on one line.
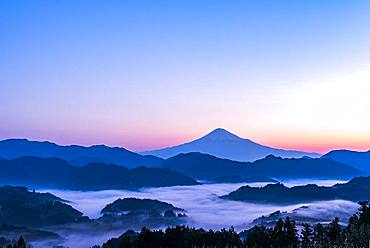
[(307, 236), (150, 239), (258, 237), (290, 233), (320, 237), (364, 213), (277, 235), (357, 232), (284, 234), (334, 232)]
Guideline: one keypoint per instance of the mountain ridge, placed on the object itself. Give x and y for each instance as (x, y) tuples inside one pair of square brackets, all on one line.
[(357, 189), (224, 144), (75, 154), (359, 160), (59, 174), (208, 167)]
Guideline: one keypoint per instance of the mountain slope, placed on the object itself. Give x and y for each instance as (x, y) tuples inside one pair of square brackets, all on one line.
[(204, 166), (303, 168), (356, 189), (360, 160), (57, 173), (76, 155), (18, 206), (207, 167), (223, 144), (136, 213), (138, 205)]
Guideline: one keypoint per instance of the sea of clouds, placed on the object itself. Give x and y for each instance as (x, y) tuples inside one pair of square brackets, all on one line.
[(204, 207)]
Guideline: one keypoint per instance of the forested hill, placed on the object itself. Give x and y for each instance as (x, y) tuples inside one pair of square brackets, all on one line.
[(19, 206), (57, 173), (356, 189)]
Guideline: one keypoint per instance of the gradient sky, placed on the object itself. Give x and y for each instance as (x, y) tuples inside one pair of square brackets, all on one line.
[(148, 74)]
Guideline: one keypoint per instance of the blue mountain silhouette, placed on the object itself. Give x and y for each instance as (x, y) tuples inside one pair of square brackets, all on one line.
[(223, 144)]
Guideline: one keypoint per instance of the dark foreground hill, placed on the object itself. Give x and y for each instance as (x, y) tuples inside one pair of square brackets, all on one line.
[(57, 173), (22, 212), (21, 207), (359, 160), (75, 155), (357, 189), (207, 167)]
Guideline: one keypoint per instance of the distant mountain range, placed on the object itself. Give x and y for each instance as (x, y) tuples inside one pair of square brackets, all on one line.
[(76, 155), (357, 189), (57, 173), (359, 160), (207, 167), (201, 166), (223, 144)]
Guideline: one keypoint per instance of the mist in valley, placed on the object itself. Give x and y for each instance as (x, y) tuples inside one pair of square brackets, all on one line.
[(203, 207)]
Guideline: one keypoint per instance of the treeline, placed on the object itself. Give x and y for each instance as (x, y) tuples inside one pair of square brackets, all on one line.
[(284, 235), (20, 243)]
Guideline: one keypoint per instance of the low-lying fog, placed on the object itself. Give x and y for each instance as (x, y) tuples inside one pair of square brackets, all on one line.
[(204, 208)]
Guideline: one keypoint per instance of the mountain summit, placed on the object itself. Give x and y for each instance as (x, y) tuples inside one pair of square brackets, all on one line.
[(224, 144), (220, 134)]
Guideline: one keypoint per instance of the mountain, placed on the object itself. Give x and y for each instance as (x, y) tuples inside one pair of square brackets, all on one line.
[(223, 144), (359, 160), (135, 204), (57, 173), (207, 167), (18, 206), (136, 213), (203, 166), (357, 189), (76, 155), (303, 168)]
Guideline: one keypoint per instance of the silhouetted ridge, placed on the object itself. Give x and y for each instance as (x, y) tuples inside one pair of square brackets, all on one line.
[(134, 212), (76, 155), (356, 189), (208, 167), (223, 144), (135, 204), (18, 206), (57, 173), (359, 160)]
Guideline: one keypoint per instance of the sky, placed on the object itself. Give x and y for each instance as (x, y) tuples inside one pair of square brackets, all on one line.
[(151, 74)]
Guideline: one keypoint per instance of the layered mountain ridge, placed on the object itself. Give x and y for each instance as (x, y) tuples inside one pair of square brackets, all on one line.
[(208, 167), (223, 144), (74, 154)]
